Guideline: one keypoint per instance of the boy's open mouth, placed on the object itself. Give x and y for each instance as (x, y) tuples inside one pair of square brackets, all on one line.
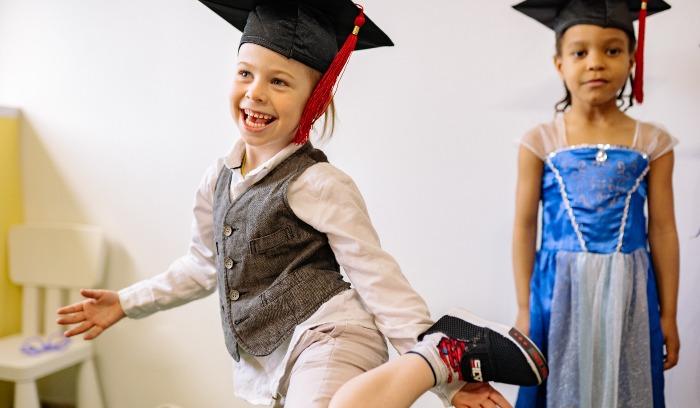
[(256, 120)]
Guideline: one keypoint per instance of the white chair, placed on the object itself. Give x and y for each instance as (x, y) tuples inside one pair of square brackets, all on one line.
[(54, 261)]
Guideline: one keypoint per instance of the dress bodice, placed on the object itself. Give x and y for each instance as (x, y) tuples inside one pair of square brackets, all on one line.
[(593, 199)]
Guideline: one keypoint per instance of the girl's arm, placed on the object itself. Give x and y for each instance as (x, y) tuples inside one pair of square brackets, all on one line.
[(527, 198), (663, 241)]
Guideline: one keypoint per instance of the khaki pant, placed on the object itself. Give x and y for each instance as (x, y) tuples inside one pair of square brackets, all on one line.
[(324, 359)]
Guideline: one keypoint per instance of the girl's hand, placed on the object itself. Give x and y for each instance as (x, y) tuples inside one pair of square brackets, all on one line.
[(479, 395), (522, 322), (95, 314), (671, 340)]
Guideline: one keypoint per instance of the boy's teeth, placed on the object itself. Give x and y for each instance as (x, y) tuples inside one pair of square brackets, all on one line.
[(257, 115), (252, 123)]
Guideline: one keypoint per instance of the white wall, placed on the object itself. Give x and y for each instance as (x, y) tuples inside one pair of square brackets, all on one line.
[(126, 105)]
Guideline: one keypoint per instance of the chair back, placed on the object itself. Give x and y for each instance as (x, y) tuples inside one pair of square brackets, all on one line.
[(51, 263)]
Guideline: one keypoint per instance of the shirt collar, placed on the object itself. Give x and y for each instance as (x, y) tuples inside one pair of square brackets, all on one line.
[(234, 159)]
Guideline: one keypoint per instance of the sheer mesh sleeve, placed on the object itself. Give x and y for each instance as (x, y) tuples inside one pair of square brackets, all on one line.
[(654, 140), (544, 139)]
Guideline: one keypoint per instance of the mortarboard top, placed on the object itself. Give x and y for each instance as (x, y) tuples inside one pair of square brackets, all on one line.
[(562, 14), (309, 31), (559, 15)]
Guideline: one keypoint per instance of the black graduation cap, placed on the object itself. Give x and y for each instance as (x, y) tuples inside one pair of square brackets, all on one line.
[(318, 33), (309, 31), (559, 15), (562, 14)]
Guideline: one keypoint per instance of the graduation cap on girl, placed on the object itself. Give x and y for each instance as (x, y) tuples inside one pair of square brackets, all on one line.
[(562, 14), (318, 33)]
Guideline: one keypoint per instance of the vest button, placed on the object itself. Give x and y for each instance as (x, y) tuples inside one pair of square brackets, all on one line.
[(228, 230), (228, 263), (234, 295)]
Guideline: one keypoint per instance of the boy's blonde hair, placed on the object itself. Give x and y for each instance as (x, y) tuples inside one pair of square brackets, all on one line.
[(326, 132)]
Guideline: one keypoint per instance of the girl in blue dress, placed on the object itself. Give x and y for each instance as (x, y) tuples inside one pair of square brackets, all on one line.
[(599, 295)]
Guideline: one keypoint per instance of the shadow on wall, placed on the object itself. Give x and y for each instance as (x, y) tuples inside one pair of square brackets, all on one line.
[(58, 390), (48, 198)]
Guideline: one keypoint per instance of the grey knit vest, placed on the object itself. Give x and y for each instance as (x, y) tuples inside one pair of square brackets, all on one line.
[(274, 270)]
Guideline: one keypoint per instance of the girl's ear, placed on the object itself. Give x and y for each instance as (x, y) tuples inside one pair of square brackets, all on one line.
[(557, 65)]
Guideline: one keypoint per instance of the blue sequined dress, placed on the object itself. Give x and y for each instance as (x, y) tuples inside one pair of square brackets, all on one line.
[(594, 308)]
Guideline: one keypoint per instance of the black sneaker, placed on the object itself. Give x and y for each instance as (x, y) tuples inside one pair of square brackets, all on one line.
[(480, 351)]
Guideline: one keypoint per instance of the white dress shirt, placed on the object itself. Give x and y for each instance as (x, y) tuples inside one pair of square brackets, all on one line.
[(328, 200)]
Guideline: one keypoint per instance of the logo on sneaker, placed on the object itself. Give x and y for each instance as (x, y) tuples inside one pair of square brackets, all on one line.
[(476, 370)]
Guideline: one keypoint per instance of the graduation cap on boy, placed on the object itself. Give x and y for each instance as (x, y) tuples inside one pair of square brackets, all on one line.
[(318, 33), (559, 15)]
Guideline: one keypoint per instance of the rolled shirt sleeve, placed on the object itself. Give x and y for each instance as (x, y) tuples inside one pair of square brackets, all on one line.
[(328, 200)]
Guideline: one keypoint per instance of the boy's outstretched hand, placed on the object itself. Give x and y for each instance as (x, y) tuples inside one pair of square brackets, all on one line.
[(479, 395), (95, 314)]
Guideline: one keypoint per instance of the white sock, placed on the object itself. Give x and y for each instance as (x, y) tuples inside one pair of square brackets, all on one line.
[(428, 349)]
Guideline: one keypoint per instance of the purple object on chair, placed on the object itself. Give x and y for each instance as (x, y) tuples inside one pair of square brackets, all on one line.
[(37, 344)]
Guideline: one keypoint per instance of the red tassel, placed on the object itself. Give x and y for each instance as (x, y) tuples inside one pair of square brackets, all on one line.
[(638, 86), (323, 93)]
